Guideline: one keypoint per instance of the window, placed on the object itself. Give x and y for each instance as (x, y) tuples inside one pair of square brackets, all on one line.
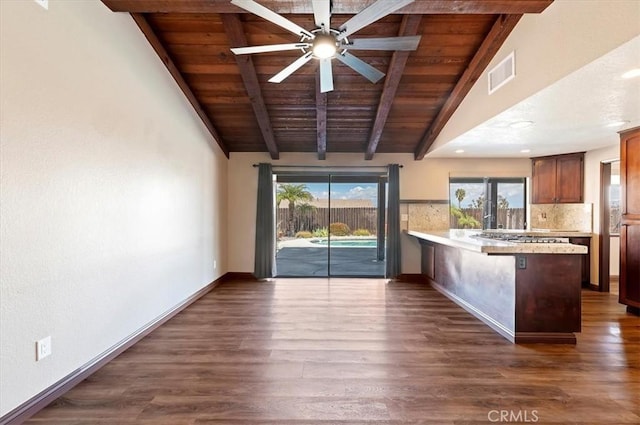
[(487, 203), (614, 203)]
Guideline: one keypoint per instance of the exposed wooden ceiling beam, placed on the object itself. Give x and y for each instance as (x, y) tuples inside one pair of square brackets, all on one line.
[(173, 70), (409, 26), (321, 119), (497, 35), (237, 38), (339, 6)]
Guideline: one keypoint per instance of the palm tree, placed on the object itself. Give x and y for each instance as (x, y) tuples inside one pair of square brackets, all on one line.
[(460, 194), (292, 193), (478, 203), (503, 203), (305, 216)]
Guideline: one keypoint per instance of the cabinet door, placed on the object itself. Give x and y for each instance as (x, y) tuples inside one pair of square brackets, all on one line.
[(569, 179), (630, 224), (586, 260), (544, 181)]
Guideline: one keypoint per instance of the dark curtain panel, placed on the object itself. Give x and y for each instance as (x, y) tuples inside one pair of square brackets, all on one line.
[(265, 235), (393, 223)]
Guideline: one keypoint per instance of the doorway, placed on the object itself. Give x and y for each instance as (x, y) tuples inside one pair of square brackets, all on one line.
[(330, 225), (610, 218)]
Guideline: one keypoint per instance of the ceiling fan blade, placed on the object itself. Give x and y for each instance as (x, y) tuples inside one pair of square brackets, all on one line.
[(326, 75), (268, 48), (322, 14), (280, 76), (375, 11), (386, 43), (270, 15), (360, 67)]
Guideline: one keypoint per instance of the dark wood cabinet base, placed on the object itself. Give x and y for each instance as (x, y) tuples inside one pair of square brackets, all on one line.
[(630, 220), (586, 259), (545, 338), (528, 298)]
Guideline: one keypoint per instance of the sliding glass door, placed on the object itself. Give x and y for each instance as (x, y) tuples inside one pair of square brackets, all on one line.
[(328, 225), (355, 233), (302, 226)]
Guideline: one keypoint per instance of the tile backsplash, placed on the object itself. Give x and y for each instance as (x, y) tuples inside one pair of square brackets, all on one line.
[(562, 217), (424, 215), (434, 215)]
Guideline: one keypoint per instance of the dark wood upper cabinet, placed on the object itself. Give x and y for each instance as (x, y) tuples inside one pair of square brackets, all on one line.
[(543, 183), (630, 223), (558, 179)]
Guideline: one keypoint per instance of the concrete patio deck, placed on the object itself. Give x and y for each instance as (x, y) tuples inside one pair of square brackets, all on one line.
[(312, 261)]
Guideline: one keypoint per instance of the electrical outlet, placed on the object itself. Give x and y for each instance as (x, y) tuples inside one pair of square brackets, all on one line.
[(43, 348), (522, 262), (43, 3)]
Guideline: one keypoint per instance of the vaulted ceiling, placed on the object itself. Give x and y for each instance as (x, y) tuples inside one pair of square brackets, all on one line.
[(403, 113)]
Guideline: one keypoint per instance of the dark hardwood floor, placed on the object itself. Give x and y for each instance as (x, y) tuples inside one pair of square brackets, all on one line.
[(614, 285), (349, 351)]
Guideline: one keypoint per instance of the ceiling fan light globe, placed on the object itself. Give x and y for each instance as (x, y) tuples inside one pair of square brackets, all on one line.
[(324, 51), (324, 46)]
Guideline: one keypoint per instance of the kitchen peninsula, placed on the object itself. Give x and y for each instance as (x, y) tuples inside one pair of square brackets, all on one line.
[(527, 292)]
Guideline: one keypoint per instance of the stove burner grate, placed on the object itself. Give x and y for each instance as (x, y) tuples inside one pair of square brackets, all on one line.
[(519, 238)]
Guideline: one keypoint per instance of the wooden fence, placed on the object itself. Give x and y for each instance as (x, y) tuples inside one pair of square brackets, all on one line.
[(318, 218), (366, 218), (509, 218)]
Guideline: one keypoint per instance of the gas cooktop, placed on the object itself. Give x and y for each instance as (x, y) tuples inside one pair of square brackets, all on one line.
[(519, 238)]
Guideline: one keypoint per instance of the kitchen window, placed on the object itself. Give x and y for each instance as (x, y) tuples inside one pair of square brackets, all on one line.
[(487, 203)]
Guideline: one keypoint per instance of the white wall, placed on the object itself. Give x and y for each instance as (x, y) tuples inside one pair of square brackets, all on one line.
[(592, 161), (549, 46), (614, 258), (113, 200), (427, 179)]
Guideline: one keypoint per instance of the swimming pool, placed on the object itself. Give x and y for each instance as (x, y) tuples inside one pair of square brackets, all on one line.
[(361, 243)]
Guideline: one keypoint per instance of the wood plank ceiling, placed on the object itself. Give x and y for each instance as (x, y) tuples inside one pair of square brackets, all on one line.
[(402, 113)]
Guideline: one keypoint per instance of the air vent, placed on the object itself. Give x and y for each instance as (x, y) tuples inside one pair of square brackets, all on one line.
[(502, 73)]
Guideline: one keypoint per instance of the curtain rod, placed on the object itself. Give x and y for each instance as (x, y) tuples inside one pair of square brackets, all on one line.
[(329, 166)]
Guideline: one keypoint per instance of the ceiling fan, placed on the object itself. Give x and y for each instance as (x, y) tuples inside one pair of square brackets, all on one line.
[(325, 43)]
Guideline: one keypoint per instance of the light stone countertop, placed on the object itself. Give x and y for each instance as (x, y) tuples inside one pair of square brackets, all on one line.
[(462, 239), (552, 233)]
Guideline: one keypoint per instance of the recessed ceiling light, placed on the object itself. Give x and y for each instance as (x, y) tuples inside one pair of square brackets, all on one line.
[(521, 124), (525, 150), (617, 123), (459, 150), (632, 73)]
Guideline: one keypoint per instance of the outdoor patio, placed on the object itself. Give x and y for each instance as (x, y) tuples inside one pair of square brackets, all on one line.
[(296, 258)]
